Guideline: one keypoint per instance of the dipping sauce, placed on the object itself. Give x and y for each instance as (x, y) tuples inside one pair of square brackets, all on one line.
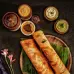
[(35, 19), (27, 28), (11, 21), (51, 13), (25, 11), (61, 26)]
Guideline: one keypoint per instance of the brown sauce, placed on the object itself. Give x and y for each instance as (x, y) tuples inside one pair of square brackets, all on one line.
[(11, 20), (27, 28)]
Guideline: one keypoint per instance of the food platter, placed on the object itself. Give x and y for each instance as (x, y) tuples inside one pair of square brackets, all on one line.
[(29, 25), (58, 41)]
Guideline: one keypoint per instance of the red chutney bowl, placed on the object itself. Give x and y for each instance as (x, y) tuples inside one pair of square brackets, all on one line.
[(11, 21)]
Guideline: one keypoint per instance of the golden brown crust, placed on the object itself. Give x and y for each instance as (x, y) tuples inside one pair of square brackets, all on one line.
[(50, 53), (37, 59)]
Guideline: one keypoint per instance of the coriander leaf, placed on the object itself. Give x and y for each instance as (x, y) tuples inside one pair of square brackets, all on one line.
[(27, 65), (43, 41), (62, 51)]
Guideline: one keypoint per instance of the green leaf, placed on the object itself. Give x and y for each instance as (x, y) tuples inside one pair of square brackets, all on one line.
[(27, 65), (43, 41), (63, 52)]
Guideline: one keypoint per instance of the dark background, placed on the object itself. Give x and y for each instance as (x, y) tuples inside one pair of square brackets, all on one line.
[(11, 40)]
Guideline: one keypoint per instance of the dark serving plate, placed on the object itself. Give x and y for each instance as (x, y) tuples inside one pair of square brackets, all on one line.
[(11, 40)]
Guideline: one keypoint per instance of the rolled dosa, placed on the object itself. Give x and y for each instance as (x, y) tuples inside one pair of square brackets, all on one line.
[(36, 57), (50, 53)]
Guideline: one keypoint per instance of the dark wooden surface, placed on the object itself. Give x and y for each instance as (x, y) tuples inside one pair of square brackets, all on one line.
[(11, 40)]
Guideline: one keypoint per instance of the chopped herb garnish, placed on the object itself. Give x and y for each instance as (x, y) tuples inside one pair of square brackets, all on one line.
[(43, 41), (62, 25)]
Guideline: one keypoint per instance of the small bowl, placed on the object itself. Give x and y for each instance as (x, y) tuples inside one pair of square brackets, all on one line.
[(27, 28), (25, 11), (11, 21), (51, 13), (35, 19), (61, 26)]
